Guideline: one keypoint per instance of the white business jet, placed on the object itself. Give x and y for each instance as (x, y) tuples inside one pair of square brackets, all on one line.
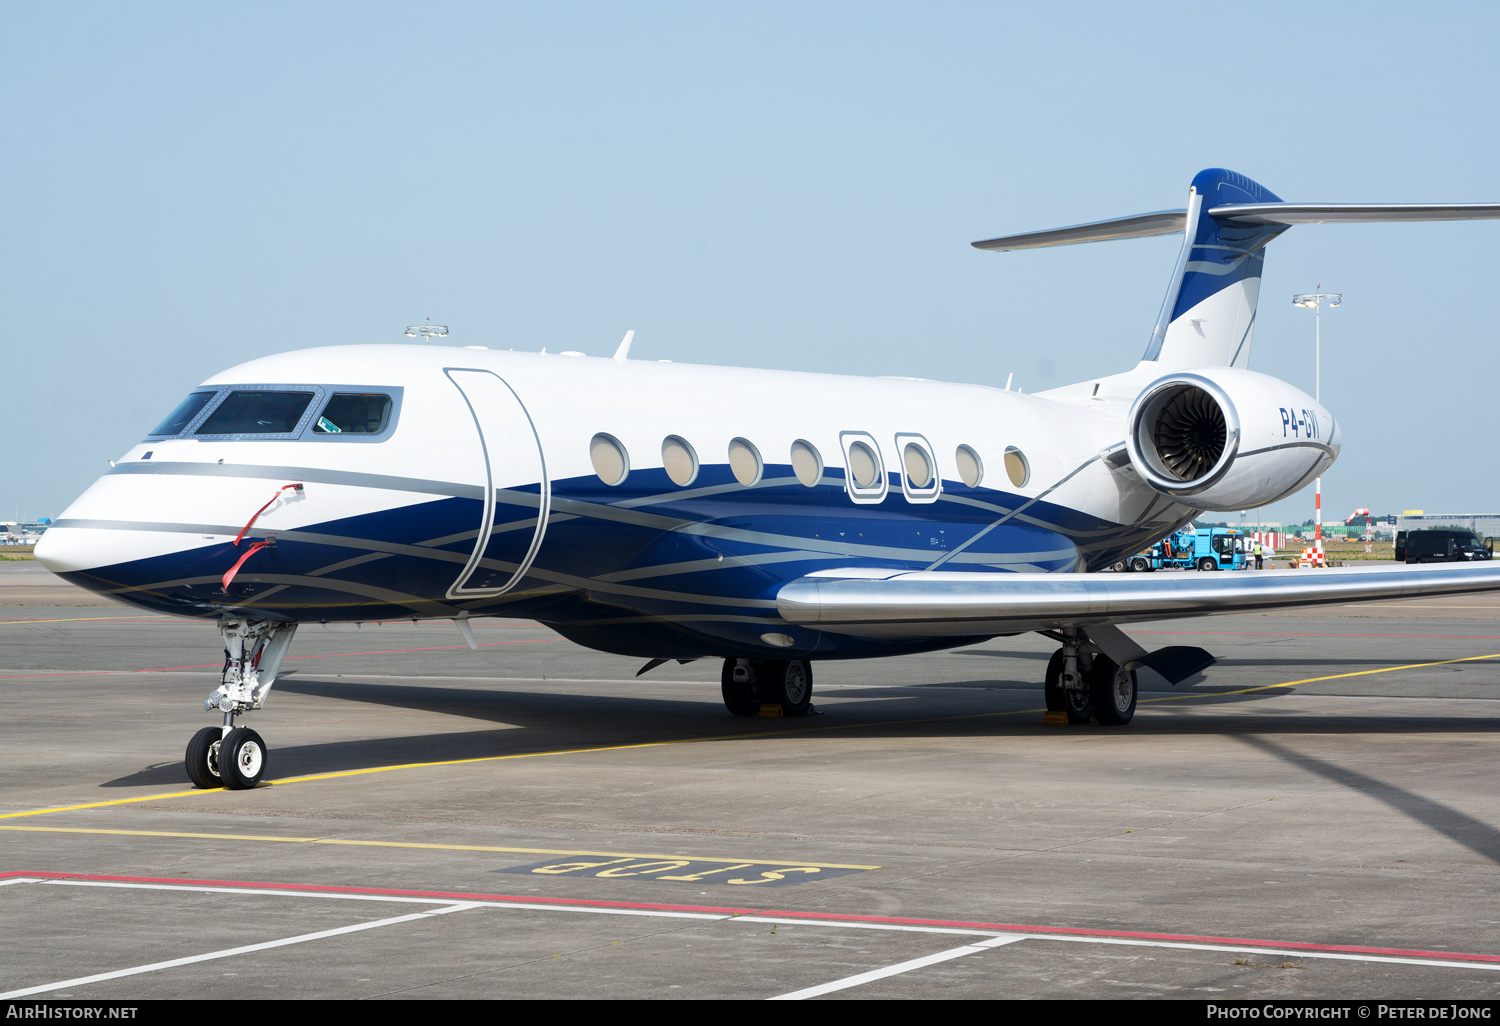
[(645, 508)]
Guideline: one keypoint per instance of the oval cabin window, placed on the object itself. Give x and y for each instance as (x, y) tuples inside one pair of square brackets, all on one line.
[(679, 459), (863, 466), (744, 460), (609, 459), (1016, 467), (970, 469), (807, 464), (918, 466)]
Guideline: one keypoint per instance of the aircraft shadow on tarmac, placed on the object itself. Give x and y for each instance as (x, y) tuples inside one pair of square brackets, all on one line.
[(1476, 835), (540, 721)]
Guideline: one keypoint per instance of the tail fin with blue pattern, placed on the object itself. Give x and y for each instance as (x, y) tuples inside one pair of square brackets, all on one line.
[(1208, 316)]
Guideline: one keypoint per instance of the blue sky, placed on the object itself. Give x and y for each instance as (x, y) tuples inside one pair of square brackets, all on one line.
[(775, 185)]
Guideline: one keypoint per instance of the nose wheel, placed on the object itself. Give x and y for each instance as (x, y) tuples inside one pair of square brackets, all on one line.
[(203, 758), (242, 759), (228, 756)]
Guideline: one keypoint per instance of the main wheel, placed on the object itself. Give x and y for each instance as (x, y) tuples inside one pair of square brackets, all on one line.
[(202, 759), (1208, 563), (1140, 565), (789, 684), (1059, 699), (1120, 567), (242, 759), (742, 698), (1112, 692)]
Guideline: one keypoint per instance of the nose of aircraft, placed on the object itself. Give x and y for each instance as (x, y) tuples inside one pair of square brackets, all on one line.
[(83, 547), (63, 550), (134, 566)]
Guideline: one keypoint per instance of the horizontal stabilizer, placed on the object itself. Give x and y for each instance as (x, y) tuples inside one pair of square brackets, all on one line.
[(1169, 222), (937, 603), (1176, 663), (1137, 226), (1352, 213)]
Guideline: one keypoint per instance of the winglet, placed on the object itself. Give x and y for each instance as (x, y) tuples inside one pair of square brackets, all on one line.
[(623, 353)]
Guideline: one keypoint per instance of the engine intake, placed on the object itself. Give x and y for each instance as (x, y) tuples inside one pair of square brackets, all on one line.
[(1190, 433), (1225, 438)]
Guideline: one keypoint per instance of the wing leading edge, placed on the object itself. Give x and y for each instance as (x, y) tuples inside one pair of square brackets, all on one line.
[(926, 604)]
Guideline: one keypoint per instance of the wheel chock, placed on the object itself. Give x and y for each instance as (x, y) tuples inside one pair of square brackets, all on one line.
[(770, 712), (1054, 719)]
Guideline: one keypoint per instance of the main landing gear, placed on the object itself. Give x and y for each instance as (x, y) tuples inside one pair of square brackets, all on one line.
[(1083, 683), (226, 755), (750, 684)]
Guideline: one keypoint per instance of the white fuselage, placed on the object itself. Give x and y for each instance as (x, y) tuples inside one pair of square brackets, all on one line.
[(387, 527)]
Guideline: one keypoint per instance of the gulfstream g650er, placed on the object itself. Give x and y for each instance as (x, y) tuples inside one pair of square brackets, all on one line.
[(629, 506)]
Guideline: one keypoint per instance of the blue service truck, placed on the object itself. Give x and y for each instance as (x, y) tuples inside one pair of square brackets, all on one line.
[(1200, 548)]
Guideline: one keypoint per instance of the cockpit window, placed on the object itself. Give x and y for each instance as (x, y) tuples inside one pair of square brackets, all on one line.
[(184, 414), (354, 413), (257, 413)]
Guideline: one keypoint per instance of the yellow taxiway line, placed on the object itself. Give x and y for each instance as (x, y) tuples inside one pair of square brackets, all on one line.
[(719, 737), (1314, 680)]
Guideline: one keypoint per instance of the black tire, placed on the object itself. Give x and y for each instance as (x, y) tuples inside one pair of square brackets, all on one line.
[(1060, 699), (1140, 565), (1121, 567), (741, 699), (789, 684), (242, 759), (1052, 684), (1208, 563), (202, 760), (1112, 692)]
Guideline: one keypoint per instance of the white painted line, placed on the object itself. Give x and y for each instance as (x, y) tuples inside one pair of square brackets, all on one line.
[(1277, 952), (229, 952), (896, 970), (655, 913), (793, 921), (782, 920), (523, 905)]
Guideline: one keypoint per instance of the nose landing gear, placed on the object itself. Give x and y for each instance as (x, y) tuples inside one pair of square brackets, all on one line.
[(229, 756)]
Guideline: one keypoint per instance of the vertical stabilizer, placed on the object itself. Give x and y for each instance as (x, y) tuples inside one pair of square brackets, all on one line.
[(1208, 316)]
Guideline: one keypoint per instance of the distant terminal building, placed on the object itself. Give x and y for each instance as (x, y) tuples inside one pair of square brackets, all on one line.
[(22, 532), (1486, 525)]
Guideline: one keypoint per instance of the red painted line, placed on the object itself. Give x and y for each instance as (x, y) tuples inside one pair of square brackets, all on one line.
[(97, 619), (172, 620), (1074, 931), (215, 666), (531, 899)]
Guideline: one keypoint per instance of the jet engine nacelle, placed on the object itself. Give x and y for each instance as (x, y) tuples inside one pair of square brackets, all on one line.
[(1221, 438)]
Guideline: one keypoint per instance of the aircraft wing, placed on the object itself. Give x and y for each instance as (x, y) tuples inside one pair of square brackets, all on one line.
[(897, 604)]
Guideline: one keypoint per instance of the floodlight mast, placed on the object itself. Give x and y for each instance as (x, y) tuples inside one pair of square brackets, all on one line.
[(1315, 301), (427, 332)]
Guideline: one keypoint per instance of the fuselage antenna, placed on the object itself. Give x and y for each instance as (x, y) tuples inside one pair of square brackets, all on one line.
[(427, 332)]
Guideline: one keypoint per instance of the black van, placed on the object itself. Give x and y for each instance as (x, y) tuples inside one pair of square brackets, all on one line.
[(1440, 547)]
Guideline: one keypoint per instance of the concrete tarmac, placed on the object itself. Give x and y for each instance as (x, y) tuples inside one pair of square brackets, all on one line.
[(1314, 817)]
